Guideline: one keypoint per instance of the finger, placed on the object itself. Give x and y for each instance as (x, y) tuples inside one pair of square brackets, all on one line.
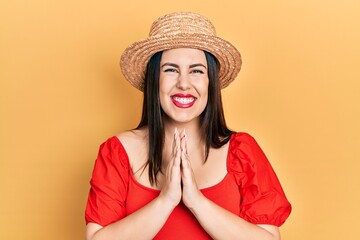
[(174, 153), (186, 142), (185, 161), (175, 168), (174, 143), (187, 173), (175, 176), (177, 158), (177, 152), (177, 139), (183, 142)]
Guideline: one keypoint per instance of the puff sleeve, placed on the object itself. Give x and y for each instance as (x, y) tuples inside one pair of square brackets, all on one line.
[(262, 198), (109, 183)]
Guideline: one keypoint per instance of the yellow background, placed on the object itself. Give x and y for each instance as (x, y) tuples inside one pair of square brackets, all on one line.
[(62, 94)]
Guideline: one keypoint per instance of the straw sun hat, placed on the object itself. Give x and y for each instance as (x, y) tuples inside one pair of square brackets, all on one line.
[(180, 30)]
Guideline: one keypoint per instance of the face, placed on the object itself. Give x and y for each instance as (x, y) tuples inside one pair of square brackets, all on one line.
[(183, 84)]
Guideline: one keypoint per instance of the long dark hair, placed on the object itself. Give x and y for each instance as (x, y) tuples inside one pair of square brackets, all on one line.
[(213, 125)]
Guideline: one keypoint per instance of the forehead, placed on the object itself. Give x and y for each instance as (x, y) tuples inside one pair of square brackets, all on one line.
[(184, 55)]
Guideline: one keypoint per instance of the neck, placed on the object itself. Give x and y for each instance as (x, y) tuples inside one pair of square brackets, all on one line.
[(195, 139), (192, 130)]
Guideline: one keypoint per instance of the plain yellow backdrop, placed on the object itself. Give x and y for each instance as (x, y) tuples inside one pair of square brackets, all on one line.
[(62, 94)]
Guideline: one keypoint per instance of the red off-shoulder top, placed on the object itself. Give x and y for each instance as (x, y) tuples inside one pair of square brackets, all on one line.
[(250, 190)]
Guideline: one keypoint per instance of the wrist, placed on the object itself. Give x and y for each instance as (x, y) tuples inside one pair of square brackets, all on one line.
[(165, 203), (198, 204)]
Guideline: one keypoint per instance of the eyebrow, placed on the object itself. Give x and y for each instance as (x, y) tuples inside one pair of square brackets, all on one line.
[(177, 66)]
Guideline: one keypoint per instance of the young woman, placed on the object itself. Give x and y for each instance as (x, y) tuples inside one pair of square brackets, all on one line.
[(182, 174)]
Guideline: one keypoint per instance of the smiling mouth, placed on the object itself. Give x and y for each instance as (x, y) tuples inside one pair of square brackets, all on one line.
[(183, 101)]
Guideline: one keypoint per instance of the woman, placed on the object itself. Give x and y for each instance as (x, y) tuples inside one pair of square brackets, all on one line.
[(182, 174)]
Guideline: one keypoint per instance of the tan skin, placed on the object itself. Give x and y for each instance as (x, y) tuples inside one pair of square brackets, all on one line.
[(183, 162)]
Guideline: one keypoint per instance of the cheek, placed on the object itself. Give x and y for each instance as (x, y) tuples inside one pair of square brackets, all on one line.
[(203, 89), (205, 101), (164, 84), (163, 90)]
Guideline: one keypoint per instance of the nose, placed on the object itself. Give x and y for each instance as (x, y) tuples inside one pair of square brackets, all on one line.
[(183, 82)]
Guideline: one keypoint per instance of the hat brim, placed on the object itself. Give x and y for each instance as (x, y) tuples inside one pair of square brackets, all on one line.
[(135, 58)]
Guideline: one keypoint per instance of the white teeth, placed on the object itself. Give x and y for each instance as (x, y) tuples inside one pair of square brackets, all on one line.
[(184, 100)]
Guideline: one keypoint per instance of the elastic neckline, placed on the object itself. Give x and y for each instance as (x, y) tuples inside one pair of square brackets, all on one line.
[(215, 186)]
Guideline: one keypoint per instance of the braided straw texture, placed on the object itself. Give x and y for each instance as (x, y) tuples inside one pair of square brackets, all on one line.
[(180, 30)]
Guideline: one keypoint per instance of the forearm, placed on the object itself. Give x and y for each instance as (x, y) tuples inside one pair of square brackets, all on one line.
[(142, 224), (222, 224)]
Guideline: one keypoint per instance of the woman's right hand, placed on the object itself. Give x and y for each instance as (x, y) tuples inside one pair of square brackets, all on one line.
[(171, 188), (155, 213)]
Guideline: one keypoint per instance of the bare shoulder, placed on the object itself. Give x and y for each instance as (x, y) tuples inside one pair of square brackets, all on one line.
[(135, 144), (133, 135)]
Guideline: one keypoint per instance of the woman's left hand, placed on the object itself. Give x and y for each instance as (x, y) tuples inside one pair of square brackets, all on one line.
[(191, 195)]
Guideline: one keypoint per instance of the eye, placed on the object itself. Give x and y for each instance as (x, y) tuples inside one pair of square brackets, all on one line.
[(197, 71), (170, 70)]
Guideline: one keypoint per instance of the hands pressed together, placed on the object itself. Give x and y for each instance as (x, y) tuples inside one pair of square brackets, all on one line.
[(180, 181)]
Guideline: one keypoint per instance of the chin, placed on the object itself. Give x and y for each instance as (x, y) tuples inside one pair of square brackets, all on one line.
[(182, 118)]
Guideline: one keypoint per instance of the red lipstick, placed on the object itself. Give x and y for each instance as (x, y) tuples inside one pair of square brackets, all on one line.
[(183, 100)]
